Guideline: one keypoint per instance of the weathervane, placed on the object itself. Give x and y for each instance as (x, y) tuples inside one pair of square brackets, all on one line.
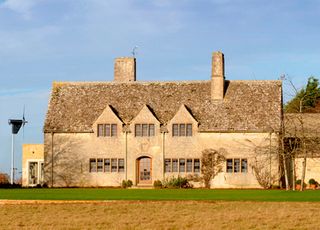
[(15, 127), (134, 52)]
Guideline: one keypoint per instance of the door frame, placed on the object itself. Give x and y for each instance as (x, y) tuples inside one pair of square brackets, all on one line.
[(149, 182)]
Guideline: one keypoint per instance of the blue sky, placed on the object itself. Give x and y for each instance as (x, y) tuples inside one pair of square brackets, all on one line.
[(42, 41)]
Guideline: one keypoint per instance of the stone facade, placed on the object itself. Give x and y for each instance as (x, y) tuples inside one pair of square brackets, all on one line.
[(159, 130)]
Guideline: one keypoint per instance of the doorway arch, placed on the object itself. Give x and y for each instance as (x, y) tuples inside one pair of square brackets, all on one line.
[(144, 170)]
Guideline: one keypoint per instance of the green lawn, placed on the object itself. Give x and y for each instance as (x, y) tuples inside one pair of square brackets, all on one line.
[(153, 194)]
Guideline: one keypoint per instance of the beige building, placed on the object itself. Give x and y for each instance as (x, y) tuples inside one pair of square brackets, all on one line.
[(32, 164), (304, 127), (100, 133)]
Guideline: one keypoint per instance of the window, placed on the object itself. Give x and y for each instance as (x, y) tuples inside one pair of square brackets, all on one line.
[(114, 166), (175, 130), (244, 165), (138, 130), (196, 166), (93, 165), (189, 130), (189, 165), (229, 165), (120, 165), (100, 130), (174, 165), (237, 165), (100, 165), (113, 130), (107, 165), (182, 165), (107, 130), (182, 130), (144, 130), (167, 165)]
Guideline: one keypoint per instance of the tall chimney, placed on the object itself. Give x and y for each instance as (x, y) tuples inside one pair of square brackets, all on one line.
[(125, 69), (217, 76)]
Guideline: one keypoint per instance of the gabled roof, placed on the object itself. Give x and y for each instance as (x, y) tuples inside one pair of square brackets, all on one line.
[(247, 105)]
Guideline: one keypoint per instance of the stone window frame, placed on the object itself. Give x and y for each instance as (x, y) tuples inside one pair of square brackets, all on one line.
[(172, 165), (182, 130), (144, 130), (117, 163), (237, 165), (107, 129)]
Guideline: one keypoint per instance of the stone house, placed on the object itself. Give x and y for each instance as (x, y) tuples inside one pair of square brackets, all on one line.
[(32, 165), (100, 133), (303, 127)]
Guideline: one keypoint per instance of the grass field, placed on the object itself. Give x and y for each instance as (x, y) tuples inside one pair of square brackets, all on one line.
[(154, 194), (161, 215)]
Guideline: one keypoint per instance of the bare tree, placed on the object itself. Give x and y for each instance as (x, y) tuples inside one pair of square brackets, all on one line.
[(211, 164)]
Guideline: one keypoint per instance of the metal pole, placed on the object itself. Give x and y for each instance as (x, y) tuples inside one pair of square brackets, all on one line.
[(12, 159)]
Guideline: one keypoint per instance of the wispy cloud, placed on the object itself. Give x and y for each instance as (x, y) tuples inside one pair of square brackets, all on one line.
[(23, 7)]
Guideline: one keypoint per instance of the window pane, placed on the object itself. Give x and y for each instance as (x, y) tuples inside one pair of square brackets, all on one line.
[(189, 165), (114, 166), (100, 165), (93, 165), (144, 130), (107, 165), (196, 167), (174, 165), (189, 129), (151, 130), (229, 165), (236, 165), (182, 130), (100, 130), (138, 130), (107, 130), (167, 165), (182, 165), (121, 165), (244, 165), (114, 130), (175, 130)]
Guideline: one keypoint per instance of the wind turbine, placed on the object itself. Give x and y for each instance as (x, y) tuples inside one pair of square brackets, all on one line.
[(15, 127)]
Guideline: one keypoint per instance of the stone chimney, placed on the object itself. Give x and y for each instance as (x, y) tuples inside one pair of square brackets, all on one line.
[(217, 76), (125, 69)]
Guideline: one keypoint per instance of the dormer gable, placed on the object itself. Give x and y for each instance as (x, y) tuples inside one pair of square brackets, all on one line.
[(145, 116), (183, 123), (145, 124), (108, 116), (183, 115)]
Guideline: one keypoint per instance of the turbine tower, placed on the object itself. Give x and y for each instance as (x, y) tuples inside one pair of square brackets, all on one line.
[(15, 127)]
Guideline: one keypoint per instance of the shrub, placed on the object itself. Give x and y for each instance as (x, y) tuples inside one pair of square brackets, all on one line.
[(126, 184), (298, 182), (313, 181), (179, 182), (157, 184)]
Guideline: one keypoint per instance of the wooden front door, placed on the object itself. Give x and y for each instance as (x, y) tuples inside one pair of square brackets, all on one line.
[(144, 170)]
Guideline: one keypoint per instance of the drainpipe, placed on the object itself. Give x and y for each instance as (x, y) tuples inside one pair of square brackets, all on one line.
[(126, 164), (163, 154), (52, 133)]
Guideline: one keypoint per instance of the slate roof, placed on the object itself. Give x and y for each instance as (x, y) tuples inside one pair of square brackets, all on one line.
[(251, 106)]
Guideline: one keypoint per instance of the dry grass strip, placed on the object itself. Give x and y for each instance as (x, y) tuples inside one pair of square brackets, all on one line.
[(158, 215)]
